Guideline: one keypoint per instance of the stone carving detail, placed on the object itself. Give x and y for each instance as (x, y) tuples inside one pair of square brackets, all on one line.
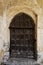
[(10, 3)]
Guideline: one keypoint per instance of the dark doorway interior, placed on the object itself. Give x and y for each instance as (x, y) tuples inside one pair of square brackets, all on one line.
[(22, 37)]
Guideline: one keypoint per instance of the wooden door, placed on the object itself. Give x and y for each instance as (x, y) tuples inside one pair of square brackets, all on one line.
[(22, 37)]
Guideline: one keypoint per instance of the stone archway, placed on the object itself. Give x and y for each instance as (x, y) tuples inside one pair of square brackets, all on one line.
[(23, 37)]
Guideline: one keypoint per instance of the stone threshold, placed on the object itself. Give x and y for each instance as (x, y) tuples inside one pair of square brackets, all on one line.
[(20, 61)]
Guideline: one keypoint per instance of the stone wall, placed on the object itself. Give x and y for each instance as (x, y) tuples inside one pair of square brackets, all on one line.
[(10, 9)]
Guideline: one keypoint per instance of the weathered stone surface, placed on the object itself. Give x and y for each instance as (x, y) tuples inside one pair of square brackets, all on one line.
[(21, 61), (9, 8)]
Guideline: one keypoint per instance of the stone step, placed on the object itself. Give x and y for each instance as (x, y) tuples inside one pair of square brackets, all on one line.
[(21, 62)]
